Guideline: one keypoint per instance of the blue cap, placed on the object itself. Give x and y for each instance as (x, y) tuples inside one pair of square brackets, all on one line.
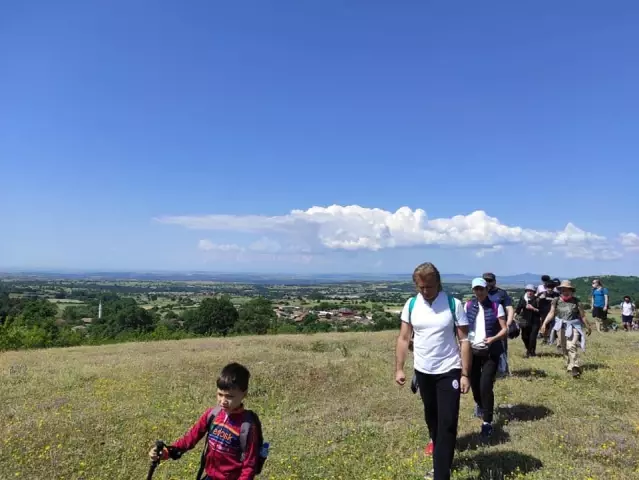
[(479, 282)]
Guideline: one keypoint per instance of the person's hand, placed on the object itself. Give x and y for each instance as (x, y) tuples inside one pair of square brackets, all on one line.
[(542, 330), (529, 307), (605, 309), (400, 378), (464, 384), (488, 340), (153, 455)]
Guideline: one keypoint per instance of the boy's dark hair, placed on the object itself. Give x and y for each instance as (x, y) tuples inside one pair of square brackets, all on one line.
[(545, 279), (234, 376)]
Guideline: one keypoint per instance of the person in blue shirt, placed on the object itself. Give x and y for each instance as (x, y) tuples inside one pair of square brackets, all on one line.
[(599, 305)]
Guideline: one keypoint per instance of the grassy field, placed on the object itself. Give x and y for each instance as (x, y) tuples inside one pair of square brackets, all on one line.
[(328, 405)]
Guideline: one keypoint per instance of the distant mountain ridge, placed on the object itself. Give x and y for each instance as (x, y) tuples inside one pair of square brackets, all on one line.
[(520, 279)]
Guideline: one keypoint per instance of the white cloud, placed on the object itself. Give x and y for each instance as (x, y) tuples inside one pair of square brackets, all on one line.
[(485, 251), (630, 241), (208, 246), (353, 228)]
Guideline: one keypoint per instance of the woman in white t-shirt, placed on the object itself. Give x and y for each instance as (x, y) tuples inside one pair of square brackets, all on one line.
[(437, 322), (627, 313)]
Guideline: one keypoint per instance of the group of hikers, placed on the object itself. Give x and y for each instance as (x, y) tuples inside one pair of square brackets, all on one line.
[(458, 347)]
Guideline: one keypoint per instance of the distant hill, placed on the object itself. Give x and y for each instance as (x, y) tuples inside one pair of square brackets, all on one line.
[(617, 287)]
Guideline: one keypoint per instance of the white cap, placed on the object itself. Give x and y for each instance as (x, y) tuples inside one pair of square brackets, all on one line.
[(479, 282)]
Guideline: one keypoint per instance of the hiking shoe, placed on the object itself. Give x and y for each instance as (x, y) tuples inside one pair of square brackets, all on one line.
[(429, 475), (575, 372), (486, 431), (478, 412), (429, 449)]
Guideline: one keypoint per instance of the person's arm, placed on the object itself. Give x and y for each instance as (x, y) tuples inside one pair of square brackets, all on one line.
[(503, 324), (250, 455), (195, 434), (592, 300), (464, 346), (583, 319), (510, 311), (605, 300), (401, 348), (550, 316)]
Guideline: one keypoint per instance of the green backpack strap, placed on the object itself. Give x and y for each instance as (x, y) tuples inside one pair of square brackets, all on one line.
[(411, 305), (453, 308)]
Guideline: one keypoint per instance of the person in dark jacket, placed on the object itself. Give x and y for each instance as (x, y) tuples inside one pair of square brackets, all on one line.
[(529, 320), (544, 301), (487, 330)]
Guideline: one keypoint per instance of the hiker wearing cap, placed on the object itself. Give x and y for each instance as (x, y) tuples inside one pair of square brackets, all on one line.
[(501, 297), (487, 329), (442, 373), (569, 322), (529, 320)]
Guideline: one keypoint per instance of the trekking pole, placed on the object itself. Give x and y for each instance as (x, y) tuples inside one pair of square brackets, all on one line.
[(159, 448)]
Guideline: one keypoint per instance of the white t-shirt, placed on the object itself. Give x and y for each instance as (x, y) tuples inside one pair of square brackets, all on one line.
[(435, 347), (627, 309), (541, 289), (479, 334)]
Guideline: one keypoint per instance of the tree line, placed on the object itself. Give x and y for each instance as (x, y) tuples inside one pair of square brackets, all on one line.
[(35, 323)]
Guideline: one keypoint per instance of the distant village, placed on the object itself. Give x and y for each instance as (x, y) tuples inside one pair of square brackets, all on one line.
[(296, 314)]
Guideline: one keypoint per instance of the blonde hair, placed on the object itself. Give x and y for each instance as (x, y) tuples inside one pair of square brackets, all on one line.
[(427, 269)]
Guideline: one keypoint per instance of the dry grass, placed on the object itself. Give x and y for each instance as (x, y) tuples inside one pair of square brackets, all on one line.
[(328, 405)]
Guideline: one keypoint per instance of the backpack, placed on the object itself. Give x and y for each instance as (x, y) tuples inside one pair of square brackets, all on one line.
[(250, 419), (451, 306)]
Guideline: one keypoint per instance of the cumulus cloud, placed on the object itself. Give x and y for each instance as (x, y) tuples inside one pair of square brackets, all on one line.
[(630, 241), (354, 228)]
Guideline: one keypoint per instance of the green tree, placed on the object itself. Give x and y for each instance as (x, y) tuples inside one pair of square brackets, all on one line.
[(257, 316), (122, 315), (384, 321), (214, 316)]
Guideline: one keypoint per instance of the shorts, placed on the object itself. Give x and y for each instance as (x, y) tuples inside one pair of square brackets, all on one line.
[(626, 319), (600, 313)]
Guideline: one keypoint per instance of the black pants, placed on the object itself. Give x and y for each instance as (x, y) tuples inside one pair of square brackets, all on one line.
[(602, 316), (482, 381), (529, 336), (441, 394)]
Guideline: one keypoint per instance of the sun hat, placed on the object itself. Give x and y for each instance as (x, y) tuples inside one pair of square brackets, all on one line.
[(566, 284), (530, 287), (479, 282)]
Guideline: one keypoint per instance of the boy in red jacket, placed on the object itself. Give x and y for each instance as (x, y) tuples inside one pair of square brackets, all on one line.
[(225, 457)]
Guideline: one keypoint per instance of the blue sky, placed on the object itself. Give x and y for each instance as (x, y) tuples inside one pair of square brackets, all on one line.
[(360, 136)]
